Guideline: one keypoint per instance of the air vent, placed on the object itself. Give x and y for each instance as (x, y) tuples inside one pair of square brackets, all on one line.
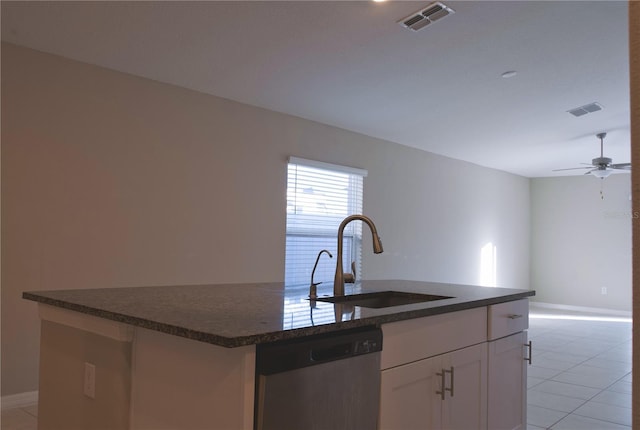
[(583, 110), (426, 16)]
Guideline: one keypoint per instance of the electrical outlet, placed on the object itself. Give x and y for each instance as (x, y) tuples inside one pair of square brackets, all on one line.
[(603, 291), (90, 380)]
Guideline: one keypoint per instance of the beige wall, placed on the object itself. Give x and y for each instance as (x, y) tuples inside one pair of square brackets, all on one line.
[(581, 242), (65, 351), (112, 180)]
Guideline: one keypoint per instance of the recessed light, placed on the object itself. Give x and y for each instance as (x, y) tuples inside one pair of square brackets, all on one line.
[(509, 74)]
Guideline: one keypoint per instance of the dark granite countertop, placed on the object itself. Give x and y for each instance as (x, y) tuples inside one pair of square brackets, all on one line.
[(233, 315)]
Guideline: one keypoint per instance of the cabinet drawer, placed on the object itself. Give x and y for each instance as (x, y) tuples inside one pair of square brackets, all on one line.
[(415, 339), (508, 318)]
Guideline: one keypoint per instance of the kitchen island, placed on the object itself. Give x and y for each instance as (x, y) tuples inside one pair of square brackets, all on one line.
[(184, 356)]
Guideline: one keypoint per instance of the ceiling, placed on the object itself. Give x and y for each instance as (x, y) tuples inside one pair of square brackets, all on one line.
[(350, 65)]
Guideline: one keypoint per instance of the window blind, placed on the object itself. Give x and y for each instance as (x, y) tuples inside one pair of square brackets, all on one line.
[(319, 197)]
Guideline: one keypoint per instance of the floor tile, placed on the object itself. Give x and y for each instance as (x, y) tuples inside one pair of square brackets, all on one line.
[(551, 343), (553, 401), (580, 349), (608, 364), (605, 412), (569, 390), (543, 417), (532, 427), (532, 382), (616, 355), (17, 419), (613, 398), (590, 371), (567, 357), (31, 410), (621, 386), (542, 372), (594, 381), (577, 422), (549, 363), (594, 386)]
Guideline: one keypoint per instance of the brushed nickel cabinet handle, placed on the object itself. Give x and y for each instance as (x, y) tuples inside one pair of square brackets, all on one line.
[(450, 390), (442, 384), (530, 346), (514, 316)]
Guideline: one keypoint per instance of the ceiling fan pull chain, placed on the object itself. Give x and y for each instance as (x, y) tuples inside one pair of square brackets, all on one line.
[(601, 193)]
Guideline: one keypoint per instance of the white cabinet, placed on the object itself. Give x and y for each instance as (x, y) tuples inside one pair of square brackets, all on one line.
[(412, 340), (508, 354), (507, 318), (408, 398), (507, 382), (445, 391), (467, 406), (462, 370), (434, 372)]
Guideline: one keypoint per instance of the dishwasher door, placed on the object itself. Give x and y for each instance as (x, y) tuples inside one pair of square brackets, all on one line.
[(325, 382)]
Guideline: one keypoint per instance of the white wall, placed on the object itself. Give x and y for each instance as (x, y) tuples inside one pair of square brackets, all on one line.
[(580, 242), (110, 180), (435, 214)]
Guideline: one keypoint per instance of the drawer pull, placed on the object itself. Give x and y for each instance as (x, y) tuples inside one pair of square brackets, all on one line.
[(514, 316), (530, 346)]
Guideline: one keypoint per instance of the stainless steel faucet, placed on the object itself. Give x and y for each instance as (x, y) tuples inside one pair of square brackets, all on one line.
[(338, 281)]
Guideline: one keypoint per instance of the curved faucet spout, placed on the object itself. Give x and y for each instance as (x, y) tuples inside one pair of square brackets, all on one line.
[(338, 281), (312, 289)]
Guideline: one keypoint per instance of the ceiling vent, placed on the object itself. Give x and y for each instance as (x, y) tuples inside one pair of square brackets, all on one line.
[(426, 16), (583, 110)]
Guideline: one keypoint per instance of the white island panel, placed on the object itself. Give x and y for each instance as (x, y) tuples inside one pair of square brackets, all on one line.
[(180, 383)]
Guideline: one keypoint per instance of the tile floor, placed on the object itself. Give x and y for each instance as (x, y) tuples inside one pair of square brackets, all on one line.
[(580, 378), (20, 418)]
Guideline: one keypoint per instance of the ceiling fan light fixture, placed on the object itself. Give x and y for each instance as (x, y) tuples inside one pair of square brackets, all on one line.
[(602, 166), (601, 173)]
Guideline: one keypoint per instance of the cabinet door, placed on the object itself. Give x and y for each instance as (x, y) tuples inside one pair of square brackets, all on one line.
[(507, 383), (466, 407), (408, 399)]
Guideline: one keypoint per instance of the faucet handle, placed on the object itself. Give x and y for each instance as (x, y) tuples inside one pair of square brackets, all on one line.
[(350, 278)]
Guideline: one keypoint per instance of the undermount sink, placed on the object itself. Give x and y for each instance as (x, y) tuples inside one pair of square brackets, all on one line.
[(383, 299)]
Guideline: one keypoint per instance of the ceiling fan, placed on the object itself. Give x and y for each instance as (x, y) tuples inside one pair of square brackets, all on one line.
[(601, 167)]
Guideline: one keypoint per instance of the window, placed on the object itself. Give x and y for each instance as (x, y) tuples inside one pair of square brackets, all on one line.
[(319, 197)]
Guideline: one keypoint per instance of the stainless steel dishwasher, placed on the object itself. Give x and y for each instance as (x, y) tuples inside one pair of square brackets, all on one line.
[(322, 382)]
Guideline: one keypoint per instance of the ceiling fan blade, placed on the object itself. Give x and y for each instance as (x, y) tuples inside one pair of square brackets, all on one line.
[(621, 166), (573, 168)]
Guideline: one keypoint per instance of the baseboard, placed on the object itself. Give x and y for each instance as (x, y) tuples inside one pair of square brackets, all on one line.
[(626, 314), (21, 400)]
